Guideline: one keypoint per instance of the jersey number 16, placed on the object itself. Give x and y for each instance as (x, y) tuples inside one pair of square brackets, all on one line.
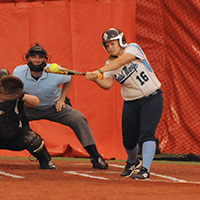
[(142, 78)]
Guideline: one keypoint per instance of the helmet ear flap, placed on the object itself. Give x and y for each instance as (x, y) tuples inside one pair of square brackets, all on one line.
[(122, 40)]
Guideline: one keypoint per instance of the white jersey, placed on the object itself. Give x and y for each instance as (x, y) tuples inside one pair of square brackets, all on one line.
[(137, 78)]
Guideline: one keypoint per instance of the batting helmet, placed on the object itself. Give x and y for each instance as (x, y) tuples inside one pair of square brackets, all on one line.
[(113, 34)]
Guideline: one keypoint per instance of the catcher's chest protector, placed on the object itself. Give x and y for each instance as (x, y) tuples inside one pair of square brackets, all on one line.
[(9, 119)]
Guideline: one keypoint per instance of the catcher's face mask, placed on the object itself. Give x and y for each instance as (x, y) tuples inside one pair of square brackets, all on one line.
[(36, 58), (37, 50), (36, 68)]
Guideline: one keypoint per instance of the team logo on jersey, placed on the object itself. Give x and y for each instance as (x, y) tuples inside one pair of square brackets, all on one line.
[(126, 72)]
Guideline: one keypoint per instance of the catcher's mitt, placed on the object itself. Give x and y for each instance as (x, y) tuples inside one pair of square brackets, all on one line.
[(11, 87)]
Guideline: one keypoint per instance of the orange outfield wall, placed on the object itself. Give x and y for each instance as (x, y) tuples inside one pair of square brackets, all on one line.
[(71, 32), (168, 32)]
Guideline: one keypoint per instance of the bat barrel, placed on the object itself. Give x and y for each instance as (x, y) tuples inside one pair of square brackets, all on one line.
[(64, 71)]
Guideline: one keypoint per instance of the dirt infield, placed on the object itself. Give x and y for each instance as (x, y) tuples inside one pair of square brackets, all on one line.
[(22, 180)]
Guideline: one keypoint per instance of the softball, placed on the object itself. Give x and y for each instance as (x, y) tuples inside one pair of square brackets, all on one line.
[(54, 67), (100, 76)]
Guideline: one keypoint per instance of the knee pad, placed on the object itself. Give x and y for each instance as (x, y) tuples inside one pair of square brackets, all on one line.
[(33, 142)]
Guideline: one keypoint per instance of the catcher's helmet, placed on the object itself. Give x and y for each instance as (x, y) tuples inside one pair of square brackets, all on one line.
[(37, 50), (113, 34)]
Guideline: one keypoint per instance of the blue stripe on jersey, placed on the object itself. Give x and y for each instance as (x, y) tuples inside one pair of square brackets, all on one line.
[(145, 61)]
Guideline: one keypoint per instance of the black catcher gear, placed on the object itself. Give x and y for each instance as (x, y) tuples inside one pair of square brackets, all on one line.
[(10, 118), (36, 68), (33, 142), (37, 50), (35, 145)]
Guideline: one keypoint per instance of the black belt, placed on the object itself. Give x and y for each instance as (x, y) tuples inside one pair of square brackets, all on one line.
[(152, 94)]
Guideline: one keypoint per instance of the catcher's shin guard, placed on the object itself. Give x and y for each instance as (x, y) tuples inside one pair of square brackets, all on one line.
[(35, 145), (33, 142), (44, 159)]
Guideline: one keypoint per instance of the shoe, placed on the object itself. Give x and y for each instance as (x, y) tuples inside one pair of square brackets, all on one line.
[(130, 168), (100, 163), (48, 165), (143, 174)]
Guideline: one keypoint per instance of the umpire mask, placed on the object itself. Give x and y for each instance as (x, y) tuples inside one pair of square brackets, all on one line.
[(36, 68)]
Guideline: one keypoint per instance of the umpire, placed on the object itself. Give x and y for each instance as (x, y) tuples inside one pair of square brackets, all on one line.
[(15, 133)]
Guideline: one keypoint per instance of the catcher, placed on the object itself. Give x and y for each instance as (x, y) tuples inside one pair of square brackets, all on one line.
[(15, 133)]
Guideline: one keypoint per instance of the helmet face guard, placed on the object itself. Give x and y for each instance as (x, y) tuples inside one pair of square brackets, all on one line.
[(37, 50), (36, 68), (113, 34), (34, 52)]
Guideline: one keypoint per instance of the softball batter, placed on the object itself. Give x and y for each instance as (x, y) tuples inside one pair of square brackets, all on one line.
[(143, 100)]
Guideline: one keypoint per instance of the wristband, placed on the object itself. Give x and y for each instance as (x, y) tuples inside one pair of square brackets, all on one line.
[(100, 71)]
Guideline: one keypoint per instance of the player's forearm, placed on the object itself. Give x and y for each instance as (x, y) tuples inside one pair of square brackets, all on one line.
[(118, 62), (106, 83), (30, 100), (111, 66)]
